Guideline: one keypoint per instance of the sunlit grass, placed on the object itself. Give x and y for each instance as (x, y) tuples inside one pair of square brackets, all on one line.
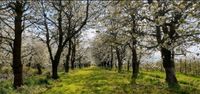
[(100, 81), (94, 80)]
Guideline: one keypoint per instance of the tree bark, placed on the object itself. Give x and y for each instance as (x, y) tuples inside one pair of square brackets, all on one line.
[(119, 60), (169, 67), (73, 55), (79, 64), (17, 64), (135, 63), (55, 63), (111, 57), (128, 65), (39, 69), (54, 70), (66, 65)]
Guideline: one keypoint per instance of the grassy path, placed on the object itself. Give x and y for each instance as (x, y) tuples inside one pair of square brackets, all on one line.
[(94, 80), (91, 81)]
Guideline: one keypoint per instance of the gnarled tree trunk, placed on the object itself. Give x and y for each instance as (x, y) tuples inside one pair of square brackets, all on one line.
[(169, 66)]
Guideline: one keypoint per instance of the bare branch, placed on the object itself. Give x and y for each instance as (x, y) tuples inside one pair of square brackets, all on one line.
[(7, 24)]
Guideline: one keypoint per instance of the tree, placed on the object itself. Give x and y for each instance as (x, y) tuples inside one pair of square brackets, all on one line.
[(66, 64), (63, 35), (18, 8), (18, 13), (125, 23), (168, 18)]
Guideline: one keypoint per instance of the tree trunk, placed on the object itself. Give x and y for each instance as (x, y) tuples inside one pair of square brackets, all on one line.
[(39, 69), (66, 64), (185, 65), (128, 65), (119, 60), (55, 63), (55, 70), (169, 67), (111, 58), (180, 63), (73, 56), (135, 64), (17, 64), (79, 64)]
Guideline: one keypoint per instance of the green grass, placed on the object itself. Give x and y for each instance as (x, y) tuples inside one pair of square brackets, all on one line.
[(94, 80), (32, 85), (100, 81)]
